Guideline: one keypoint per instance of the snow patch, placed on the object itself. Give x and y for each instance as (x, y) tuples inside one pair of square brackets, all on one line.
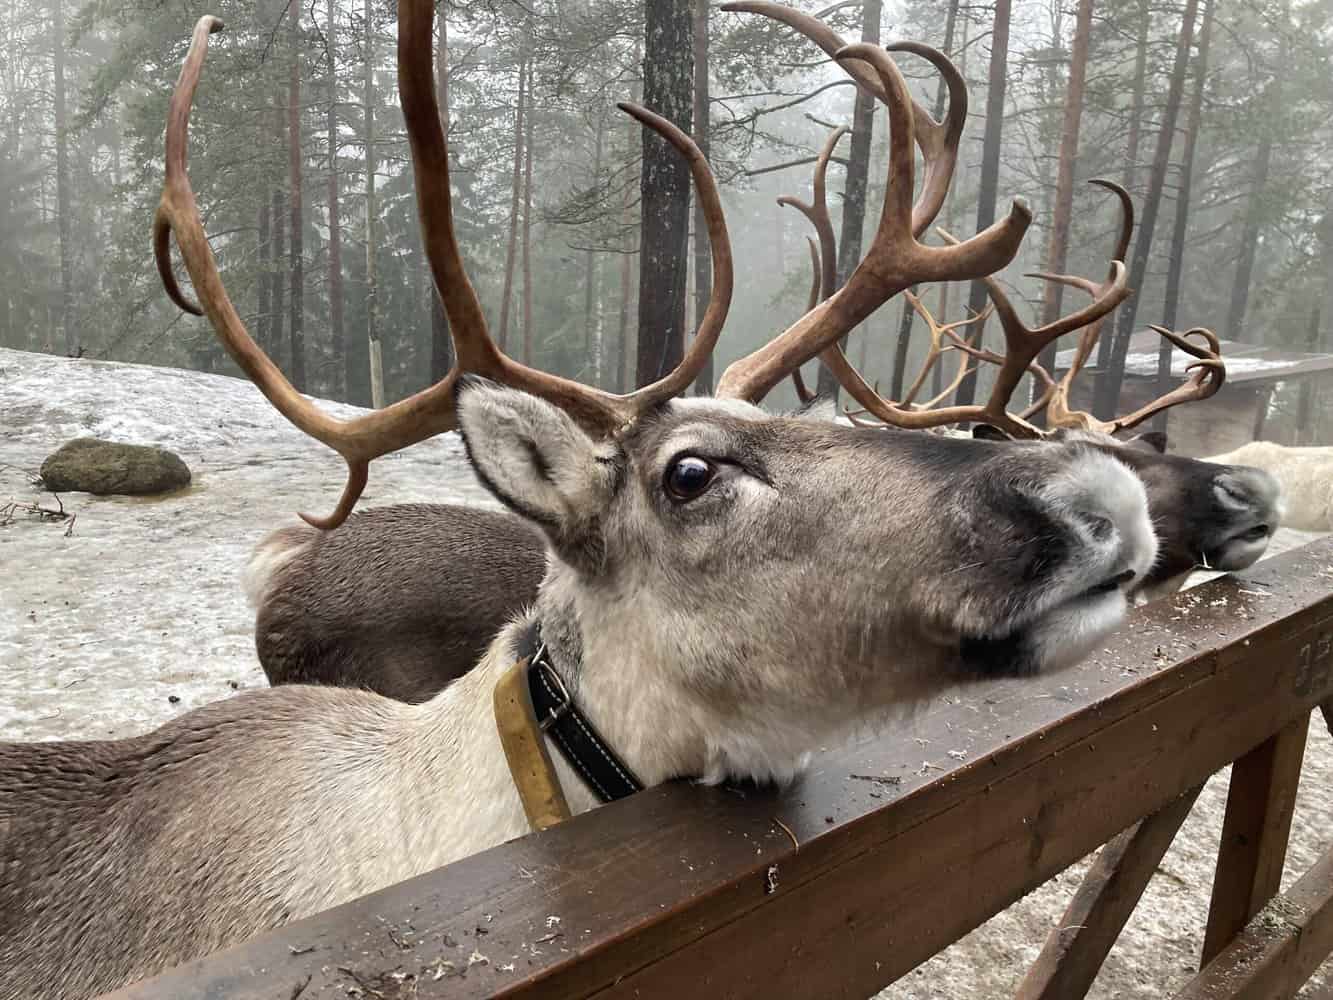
[(144, 600)]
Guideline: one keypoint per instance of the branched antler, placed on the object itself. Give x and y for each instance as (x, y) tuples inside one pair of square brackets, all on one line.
[(1203, 378), (896, 259), (939, 333), (1023, 344), (362, 439), (824, 255), (816, 283), (816, 210)]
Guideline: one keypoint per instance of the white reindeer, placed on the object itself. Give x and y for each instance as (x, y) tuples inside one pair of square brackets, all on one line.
[(1306, 475)]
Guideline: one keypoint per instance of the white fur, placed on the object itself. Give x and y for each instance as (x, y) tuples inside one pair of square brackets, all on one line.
[(1306, 475), (268, 558)]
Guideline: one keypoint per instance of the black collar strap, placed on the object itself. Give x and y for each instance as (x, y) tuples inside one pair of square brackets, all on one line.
[(560, 719)]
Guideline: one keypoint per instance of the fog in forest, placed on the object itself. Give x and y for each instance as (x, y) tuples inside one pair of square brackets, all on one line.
[(1214, 115)]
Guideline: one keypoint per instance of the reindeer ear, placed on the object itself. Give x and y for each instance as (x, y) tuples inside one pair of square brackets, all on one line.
[(989, 432), (1149, 441), (539, 463)]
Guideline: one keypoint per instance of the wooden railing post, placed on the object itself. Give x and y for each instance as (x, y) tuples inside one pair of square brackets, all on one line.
[(1254, 833), (1078, 945), (1279, 949)]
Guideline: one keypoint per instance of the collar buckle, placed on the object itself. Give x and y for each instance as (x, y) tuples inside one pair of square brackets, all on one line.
[(553, 679)]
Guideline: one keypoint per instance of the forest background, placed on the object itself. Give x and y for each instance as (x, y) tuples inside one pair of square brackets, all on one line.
[(577, 230)]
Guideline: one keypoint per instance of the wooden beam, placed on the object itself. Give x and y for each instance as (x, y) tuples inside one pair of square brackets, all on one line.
[(1279, 949), (1075, 950), (906, 842), (1260, 803)]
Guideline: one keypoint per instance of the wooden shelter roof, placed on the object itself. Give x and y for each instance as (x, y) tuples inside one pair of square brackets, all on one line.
[(1245, 362)]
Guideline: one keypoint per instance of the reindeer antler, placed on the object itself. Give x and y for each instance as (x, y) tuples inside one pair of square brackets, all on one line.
[(1023, 344), (937, 140), (1205, 377), (362, 439), (1058, 411), (824, 256), (816, 210), (896, 259), (816, 283), (1208, 374), (939, 333)]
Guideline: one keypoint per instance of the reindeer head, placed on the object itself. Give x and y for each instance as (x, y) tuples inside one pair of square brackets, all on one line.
[(747, 560)]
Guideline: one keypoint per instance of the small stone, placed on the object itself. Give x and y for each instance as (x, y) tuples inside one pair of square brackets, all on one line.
[(88, 465)]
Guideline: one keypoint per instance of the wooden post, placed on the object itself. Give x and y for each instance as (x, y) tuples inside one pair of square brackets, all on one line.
[(1279, 949), (1075, 950), (1254, 833)]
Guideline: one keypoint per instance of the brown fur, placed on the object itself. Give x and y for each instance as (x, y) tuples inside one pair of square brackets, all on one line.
[(99, 841), (399, 600)]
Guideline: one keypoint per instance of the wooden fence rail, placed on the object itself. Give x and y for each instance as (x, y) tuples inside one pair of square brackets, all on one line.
[(905, 843)]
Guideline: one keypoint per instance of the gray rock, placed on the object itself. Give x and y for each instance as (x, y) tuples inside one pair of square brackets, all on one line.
[(105, 467)]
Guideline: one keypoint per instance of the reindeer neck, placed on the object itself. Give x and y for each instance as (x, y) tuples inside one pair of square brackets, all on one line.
[(639, 697), (454, 750)]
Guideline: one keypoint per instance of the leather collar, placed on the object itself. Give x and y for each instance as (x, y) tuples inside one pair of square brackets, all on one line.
[(559, 717)]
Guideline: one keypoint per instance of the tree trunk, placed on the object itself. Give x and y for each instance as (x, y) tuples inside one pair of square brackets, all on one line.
[(1303, 431), (908, 313), (592, 309), (62, 182), (1254, 213), (441, 343), (858, 176), (1137, 90), (703, 267), (1324, 233), (988, 187), (1176, 259), (277, 262), (263, 319), (527, 220), (372, 292), (664, 186), (1112, 374), (625, 360), (622, 340), (297, 299), (1057, 256), (1136, 114), (338, 330), (516, 192)]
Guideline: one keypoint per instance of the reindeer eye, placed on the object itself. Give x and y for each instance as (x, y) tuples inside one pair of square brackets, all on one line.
[(688, 477)]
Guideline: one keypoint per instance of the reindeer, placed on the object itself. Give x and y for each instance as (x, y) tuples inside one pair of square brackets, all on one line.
[(1306, 475), (1221, 519), (683, 538), (399, 600), (369, 606), (1205, 516)]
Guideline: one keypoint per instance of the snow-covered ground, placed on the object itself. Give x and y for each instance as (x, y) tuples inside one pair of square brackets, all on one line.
[(142, 602), (137, 615)]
